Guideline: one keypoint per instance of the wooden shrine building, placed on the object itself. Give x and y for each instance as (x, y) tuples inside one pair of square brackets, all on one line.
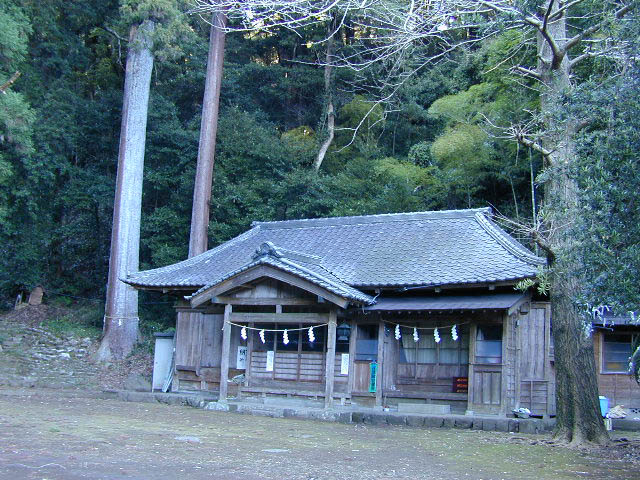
[(378, 310)]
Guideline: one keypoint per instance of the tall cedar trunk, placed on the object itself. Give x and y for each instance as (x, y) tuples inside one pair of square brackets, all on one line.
[(121, 308), (578, 415), (328, 88), (208, 131), (198, 237)]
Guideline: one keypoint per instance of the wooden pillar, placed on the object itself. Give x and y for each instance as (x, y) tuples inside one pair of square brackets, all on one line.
[(224, 361), (380, 363), (353, 339), (331, 359), (507, 363), (548, 376), (247, 371), (473, 329)]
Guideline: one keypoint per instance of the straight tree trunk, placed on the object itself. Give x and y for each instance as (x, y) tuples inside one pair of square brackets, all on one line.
[(578, 417), (198, 236), (121, 309), (207, 145)]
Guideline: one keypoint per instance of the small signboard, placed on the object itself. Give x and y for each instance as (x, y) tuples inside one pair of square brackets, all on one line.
[(344, 364), (373, 376), (241, 359), (270, 355), (460, 384)]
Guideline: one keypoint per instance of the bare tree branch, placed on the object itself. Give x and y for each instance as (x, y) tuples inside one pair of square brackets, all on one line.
[(6, 85), (526, 72), (573, 41)]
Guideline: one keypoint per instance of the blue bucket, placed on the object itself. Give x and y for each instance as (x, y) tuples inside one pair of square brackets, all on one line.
[(604, 405)]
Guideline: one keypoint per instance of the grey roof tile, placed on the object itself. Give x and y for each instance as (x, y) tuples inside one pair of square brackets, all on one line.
[(309, 270), (404, 249)]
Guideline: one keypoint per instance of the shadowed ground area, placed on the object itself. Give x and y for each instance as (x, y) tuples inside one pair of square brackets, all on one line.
[(48, 434)]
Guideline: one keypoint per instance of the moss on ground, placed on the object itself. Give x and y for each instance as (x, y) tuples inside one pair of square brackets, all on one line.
[(160, 441)]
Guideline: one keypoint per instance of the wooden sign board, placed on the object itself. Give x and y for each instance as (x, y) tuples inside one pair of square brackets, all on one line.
[(270, 356), (460, 384), (344, 364), (241, 358), (373, 376)]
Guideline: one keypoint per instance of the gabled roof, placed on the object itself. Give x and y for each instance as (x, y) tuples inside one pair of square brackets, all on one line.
[(304, 266), (453, 247)]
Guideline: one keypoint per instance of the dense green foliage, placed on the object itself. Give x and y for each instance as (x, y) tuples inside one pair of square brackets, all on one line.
[(59, 127), (609, 177)]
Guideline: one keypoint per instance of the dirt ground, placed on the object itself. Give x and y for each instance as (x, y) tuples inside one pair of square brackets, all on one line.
[(48, 434)]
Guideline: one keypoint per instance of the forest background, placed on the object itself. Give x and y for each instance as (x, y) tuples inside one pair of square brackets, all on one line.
[(428, 148)]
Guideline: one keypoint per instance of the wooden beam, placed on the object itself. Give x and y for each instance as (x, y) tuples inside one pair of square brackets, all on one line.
[(268, 272), (516, 306), (380, 363), (262, 301), (331, 359), (224, 361), (280, 317)]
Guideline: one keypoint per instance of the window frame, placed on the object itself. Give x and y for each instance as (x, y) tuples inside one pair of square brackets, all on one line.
[(462, 332), (603, 364), (476, 356)]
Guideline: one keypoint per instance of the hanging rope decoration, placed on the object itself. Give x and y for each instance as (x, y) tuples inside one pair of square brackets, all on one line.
[(285, 337), (436, 331), (260, 329), (243, 333), (262, 335), (312, 337)]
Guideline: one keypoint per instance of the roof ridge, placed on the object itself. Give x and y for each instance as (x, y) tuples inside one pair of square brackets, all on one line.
[(269, 248), (506, 242), (377, 218)]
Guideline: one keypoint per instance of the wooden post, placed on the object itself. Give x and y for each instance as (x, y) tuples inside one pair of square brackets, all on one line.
[(380, 362), (331, 359), (550, 379), (473, 329), (224, 361), (352, 356), (507, 362), (247, 371)]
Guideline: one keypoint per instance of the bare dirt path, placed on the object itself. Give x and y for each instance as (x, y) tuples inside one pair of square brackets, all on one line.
[(45, 435)]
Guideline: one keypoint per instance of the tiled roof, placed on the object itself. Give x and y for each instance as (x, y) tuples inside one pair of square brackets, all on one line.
[(452, 247), (304, 266), (488, 301)]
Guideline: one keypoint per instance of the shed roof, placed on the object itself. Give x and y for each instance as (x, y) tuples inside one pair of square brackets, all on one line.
[(452, 247), (490, 301)]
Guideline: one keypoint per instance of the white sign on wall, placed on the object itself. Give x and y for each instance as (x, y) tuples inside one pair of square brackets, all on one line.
[(270, 354), (344, 364), (241, 359)]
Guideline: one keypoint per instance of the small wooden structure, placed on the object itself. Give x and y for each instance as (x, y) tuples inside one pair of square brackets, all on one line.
[(378, 310), (612, 340)]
